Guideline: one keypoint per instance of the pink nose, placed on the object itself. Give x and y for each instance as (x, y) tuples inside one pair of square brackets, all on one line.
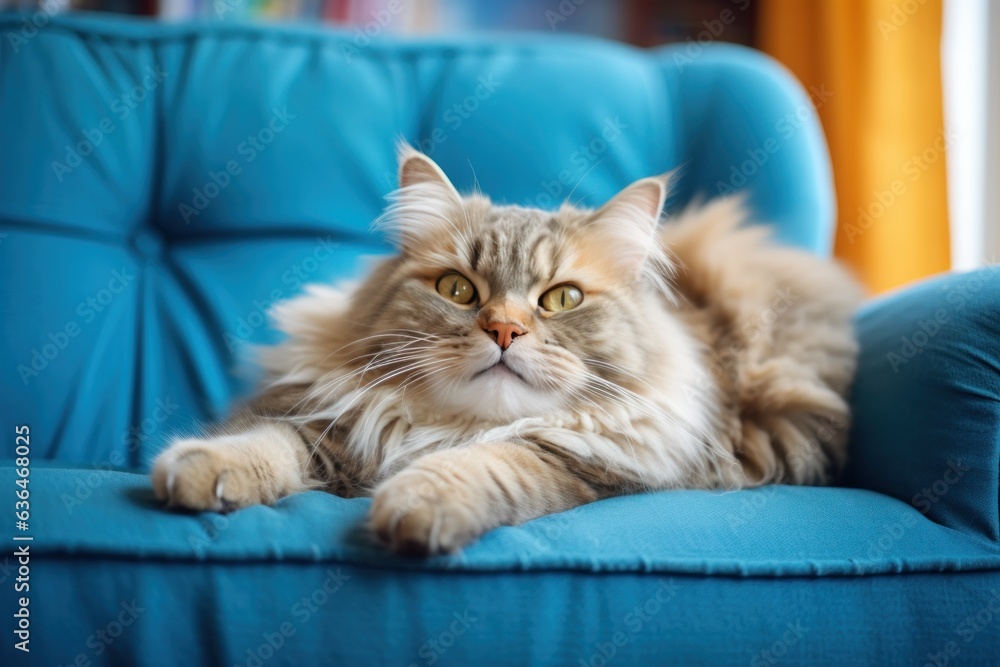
[(504, 333)]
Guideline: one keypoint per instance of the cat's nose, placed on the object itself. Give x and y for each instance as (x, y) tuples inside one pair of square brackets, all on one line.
[(504, 333)]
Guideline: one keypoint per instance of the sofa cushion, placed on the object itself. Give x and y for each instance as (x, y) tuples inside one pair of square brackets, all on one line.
[(772, 531), (926, 402), (720, 578)]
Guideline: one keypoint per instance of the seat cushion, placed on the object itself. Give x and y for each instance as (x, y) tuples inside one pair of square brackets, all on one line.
[(703, 577)]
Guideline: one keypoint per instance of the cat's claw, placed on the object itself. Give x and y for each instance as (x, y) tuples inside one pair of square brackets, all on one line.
[(196, 476), (171, 483)]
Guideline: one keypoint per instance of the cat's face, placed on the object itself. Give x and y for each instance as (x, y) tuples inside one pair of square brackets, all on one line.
[(502, 312)]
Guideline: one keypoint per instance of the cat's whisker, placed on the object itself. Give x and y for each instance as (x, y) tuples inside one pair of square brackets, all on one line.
[(332, 385), (407, 346), (427, 338), (569, 197), (362, 393), (722, 454), (367, 389), (656, 413), (620, 429), (630, 400), (416, 362)]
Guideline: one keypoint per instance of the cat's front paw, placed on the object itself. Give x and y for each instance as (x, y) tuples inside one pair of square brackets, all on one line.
[(205, 475), (416, 514)]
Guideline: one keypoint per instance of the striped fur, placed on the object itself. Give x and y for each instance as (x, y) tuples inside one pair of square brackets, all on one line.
[(701, 356)]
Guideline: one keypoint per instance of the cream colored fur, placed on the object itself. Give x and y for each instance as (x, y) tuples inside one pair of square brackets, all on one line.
[(735, 375)]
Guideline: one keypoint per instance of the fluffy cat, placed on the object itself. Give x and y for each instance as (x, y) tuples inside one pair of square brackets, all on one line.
[(512, 362)]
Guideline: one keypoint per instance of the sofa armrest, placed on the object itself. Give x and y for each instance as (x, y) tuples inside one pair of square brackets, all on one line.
[(926, 400), (747, 125)]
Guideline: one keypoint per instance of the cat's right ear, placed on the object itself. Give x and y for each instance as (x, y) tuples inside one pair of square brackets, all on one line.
[(418, 170), (421, 207)]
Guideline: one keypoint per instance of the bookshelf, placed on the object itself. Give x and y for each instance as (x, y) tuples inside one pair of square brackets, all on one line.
[(640, 22)]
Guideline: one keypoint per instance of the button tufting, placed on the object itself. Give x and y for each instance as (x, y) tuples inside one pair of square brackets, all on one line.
[(147, 243)]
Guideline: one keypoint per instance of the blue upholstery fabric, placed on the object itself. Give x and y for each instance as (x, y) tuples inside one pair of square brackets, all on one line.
[(725, 577), (137, 276), (927, 400)]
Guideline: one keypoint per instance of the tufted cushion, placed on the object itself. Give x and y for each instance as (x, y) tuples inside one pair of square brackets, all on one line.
[(163, 185)]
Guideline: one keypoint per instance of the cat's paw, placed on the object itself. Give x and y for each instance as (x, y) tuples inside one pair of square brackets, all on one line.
[(416, 514), (205, 475)]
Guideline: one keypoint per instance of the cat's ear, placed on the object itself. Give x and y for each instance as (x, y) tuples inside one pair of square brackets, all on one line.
[(418, 170), (624, 229), (425, 200)]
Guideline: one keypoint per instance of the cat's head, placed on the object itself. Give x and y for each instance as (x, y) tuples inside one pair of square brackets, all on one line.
[(502, 312)]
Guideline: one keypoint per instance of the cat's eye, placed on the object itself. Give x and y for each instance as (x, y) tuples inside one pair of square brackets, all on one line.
[(456, 288), (563, 297)]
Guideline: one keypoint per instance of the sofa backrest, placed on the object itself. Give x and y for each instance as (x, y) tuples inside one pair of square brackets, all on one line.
[(162, 185)]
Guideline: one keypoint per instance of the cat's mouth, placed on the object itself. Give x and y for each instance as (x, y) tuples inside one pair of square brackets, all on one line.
[(499, 369)]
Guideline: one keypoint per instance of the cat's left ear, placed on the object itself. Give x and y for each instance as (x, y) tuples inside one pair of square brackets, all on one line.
[(624, 229), (425, 200)]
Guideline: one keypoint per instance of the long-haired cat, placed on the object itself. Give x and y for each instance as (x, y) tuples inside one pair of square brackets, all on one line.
[(512, 362)]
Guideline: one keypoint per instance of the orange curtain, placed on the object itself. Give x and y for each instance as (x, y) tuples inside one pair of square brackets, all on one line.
[(880, 61)]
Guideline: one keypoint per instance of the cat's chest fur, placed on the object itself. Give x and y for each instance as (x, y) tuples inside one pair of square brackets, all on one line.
[(651, 437)]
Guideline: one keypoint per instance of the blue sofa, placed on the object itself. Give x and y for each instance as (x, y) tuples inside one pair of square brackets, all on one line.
[(162, 185)]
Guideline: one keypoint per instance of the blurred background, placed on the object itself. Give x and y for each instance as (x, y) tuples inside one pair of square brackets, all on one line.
[(912, 116)]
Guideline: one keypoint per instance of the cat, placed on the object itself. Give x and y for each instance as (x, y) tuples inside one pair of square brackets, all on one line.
[(511, 362)]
